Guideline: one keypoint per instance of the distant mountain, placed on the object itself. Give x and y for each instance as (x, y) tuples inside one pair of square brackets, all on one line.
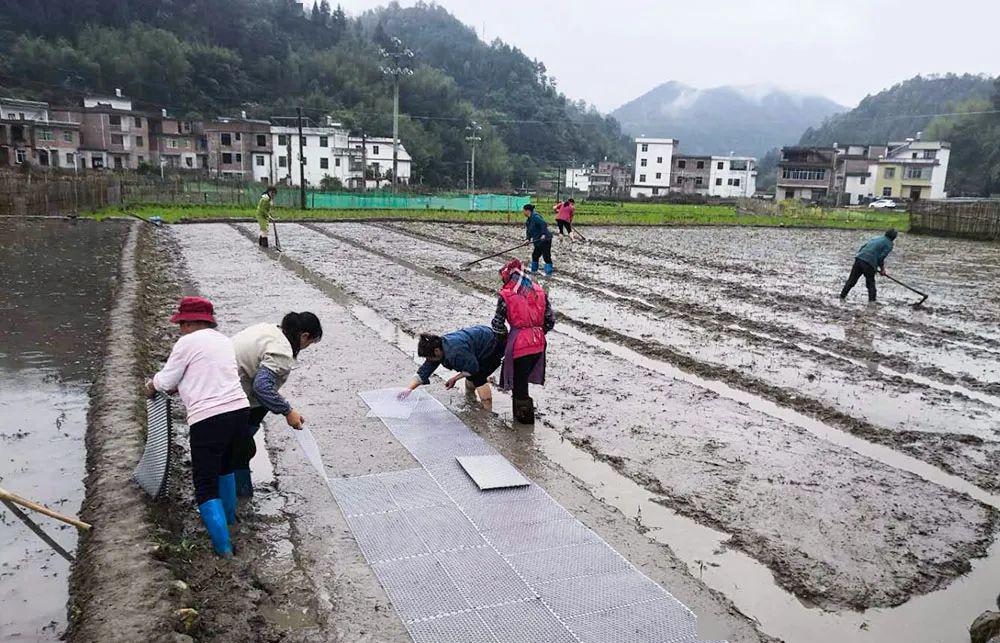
[(745, 120), (900, 111)]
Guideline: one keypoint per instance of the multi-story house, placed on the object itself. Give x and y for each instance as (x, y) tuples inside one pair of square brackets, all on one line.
[(326, 152), (237, 147), (610, 177), (29, 135), (174, 144), (732, 176), (112, 134), (691, 174), (913, 169), (806, 173), (854, 181), (57, 144), (578, 179), (376, 154), (653, 158)]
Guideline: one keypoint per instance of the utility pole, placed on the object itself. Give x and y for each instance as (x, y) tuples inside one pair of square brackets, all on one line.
[(302, 164), (474, 129), (396, 60), (364, 161)]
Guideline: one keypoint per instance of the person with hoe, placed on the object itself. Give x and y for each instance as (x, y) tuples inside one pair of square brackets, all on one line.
[(870, 257), (564, 217), (537, 231), (202, 369), (265, 356), (474, 353), (524, 306), (264, 214)]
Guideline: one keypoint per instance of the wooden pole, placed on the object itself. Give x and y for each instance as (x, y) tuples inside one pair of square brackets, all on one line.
[(38, 530), (6, 495)]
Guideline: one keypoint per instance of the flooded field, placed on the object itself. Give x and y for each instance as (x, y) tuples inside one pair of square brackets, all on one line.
[(790, 466), (54, 297)]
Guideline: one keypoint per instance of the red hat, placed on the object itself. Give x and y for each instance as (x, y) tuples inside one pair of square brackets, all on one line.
[(194, 309), (511, 267)]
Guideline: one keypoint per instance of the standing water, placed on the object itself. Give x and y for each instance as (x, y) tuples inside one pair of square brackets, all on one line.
[(55, 294)]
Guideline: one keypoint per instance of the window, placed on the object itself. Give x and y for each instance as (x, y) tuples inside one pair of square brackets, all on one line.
[(323, 141), (797, 174), (864, 179), (70, 160), (375, 150), (46, 135), (678, 180), (886, 191), (43, 158), (736, 183), (740, 166), (282, 161), (914, 173), (260, 161), (138, 141), (722, 164), (659, 159), (656, 191), (118, 162), (642, 162), (137, 120), (890, 173), (20, 115), (645, 148), (20, 156), (97, 162), (282, 139), (642, 178), (303, 141), (682, 164), (239, 158), (261, 140), (930, 154), (115, 119), (142, 159), (188, 161), (913, 155), (172, 143), (324, 163), (186, 126), (659, 175), (227, 138), (718, 181), (239, 136), (227, 158), (698, 180), (68, 137), (336, 162), (701, 165), (116, 139)]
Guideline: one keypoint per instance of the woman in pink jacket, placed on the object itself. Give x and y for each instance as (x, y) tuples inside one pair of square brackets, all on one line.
[(202, 369), (564, 217)]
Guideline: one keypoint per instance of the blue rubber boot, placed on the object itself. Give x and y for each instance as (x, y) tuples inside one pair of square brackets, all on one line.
[(227, 493), (244, 485), (214, 516), (534, 266), (549, 268)]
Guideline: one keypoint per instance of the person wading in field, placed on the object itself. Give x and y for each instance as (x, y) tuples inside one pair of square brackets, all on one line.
[(474, 353), (537, 231), (870, 257), (264, 214), (265, 355), (202, 369), (524, 306), (564, 217)]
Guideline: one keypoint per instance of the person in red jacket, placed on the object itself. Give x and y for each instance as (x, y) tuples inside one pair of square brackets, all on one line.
[(524, 307), (564, 217)]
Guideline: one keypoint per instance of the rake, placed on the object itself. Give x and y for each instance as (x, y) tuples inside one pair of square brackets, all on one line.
[(923, 296)]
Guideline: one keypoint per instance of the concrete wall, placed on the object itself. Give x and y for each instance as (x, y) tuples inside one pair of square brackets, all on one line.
[(657, 154), (727, 182)]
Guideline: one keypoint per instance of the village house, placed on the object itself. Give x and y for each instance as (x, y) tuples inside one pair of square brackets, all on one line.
[(174, 144), (653, 159), (913, 169), (237, 147), (732, 176), (325, 150), (29, 135), (112, 134), (376, 154), (691, 174), (806, 173)]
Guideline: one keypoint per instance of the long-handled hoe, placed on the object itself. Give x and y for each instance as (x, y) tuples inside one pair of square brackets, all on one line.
[(277, 244), (923, 296), (466, 266)]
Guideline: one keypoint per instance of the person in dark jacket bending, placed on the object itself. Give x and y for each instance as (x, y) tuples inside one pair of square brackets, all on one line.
[(537, 231), (870, 257), (474, 353)]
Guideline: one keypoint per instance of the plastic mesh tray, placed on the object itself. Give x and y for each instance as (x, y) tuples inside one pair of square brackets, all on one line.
[(153, 470)]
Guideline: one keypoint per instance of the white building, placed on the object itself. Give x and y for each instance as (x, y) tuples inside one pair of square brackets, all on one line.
[(377, 154), (652, 166), (732, 176), (578, 179), (23, 110), (325, 150), (114, 102)]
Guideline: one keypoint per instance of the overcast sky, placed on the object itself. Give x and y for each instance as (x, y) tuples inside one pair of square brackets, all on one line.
[(608, 52)]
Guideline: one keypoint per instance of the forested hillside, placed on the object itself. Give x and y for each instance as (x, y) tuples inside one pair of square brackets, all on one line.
[(204, 58), (975, 145)]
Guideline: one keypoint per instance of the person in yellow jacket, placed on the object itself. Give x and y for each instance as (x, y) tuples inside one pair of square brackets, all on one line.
[(264, 214)]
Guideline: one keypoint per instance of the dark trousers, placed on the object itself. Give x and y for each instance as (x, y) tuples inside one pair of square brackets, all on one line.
[(860, 268), (543, 249), (212, 442), (245, 448), (564, 225), (488, 366), (522, 369)]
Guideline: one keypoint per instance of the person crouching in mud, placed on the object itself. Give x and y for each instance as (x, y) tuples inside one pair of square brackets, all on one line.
[(537, 231), (474, 352), (265, 355), (202, 369), (264, 214), (524, 306), (870, 257)]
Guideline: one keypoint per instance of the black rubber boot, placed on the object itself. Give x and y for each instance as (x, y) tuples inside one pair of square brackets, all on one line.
[(524, 411), (262, 242)]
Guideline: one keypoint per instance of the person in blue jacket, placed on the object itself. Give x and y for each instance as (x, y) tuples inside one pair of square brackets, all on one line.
[(537, 231), (473, 353), (870, 257)]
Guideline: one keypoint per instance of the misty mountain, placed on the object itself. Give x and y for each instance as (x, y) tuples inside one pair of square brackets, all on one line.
[(745, 120)]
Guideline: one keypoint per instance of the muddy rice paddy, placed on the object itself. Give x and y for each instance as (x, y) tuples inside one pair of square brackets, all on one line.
[(790, 466)]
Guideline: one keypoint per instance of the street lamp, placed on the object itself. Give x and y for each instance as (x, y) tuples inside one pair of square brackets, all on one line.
[(473, 129), (396, 58)]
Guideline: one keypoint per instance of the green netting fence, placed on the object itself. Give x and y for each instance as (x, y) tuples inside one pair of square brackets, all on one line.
[(389, 201)]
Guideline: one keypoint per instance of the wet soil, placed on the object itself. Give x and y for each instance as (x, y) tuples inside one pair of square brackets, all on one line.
[(50, 350)]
